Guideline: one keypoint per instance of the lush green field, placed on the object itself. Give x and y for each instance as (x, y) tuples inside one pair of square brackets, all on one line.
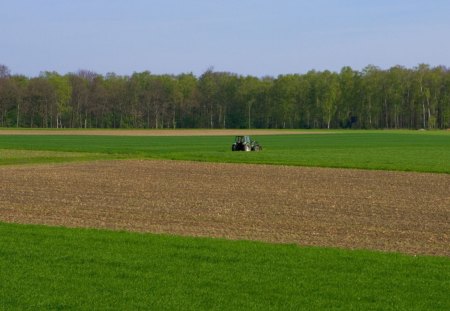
[(385, 150), (57, 268)]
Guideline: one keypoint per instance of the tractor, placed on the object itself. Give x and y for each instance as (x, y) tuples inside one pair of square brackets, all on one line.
[(245, 143)]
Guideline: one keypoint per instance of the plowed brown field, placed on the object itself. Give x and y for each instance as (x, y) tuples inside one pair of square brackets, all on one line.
[(390, 211)]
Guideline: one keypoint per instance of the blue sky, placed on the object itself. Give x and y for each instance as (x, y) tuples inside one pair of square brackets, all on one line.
[(241, 36)]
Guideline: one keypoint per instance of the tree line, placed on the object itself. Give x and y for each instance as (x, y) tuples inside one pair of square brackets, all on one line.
[(399, 97)]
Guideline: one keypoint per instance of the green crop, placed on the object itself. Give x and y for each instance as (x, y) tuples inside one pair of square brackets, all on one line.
[(389, 150), (46, 268)]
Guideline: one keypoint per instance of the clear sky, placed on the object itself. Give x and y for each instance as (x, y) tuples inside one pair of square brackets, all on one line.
[(249, 37)]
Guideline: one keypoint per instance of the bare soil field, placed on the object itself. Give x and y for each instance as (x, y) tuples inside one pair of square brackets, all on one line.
[(155, 132), (388, 211)]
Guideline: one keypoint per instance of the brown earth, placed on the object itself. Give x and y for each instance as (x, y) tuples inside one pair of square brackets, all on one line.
[(388, 211), (153, 132)]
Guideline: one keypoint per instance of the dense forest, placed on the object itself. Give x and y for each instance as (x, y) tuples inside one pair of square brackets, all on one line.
[(370, 99)]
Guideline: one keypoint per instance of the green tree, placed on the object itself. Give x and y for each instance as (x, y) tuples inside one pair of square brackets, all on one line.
[(7, 99), (116, 94), (41, 102), (371, 83), (330, 97), (249, 88), (63, 92), (207, 87), (284, 92), (350, 102), (188, 103)]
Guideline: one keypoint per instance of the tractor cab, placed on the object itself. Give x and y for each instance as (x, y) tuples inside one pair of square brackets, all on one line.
[(242, 139)]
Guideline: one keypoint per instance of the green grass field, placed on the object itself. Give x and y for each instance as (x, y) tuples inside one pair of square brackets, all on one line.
[(47, 268), (390, 150), (57, 268)]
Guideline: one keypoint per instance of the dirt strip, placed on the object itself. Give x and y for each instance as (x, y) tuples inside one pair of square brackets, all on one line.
[(389, 211), (158, 132)]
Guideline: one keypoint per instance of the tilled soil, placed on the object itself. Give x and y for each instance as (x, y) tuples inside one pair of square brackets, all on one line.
[(388, 211)]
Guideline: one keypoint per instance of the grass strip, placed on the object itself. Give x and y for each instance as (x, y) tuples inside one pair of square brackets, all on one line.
[(18, 157), (60, 268)]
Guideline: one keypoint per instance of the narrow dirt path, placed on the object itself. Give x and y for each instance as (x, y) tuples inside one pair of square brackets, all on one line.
[(157, 132)]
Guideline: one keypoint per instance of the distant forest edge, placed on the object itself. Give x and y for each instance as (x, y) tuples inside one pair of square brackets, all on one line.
[(373, 98)]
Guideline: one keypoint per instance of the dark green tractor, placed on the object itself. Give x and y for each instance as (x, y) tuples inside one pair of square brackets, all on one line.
[(245, 143)]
